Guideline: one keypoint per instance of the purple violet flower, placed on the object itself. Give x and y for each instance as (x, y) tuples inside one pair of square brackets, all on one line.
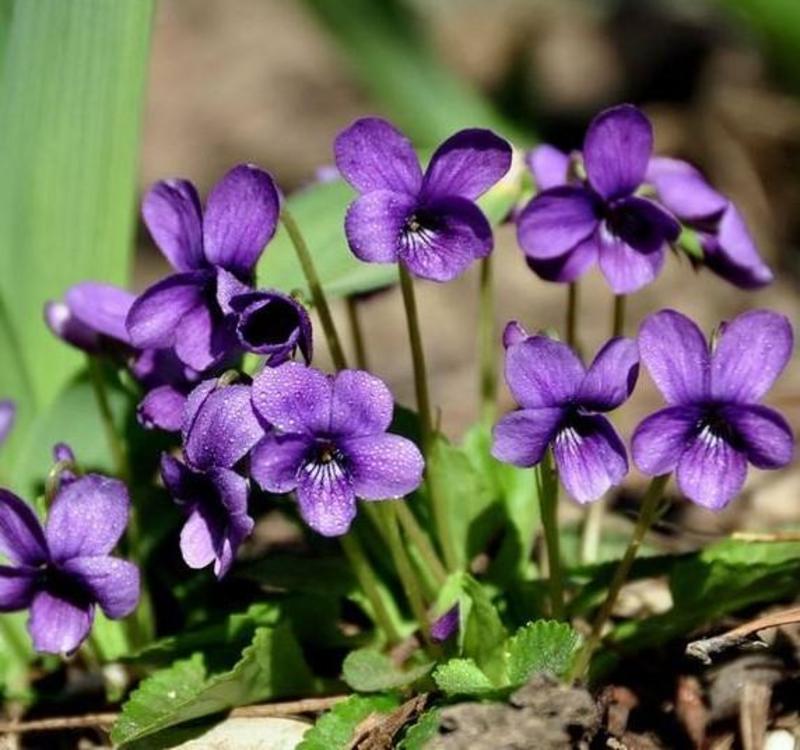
[(446, 626), (329, 443), (561, 409), (728, 248), (64, 455), (429, 222), (216, 505), (8, 415), (272, 324), (566, 229), (62, 571), (713, 424), (213, 253)]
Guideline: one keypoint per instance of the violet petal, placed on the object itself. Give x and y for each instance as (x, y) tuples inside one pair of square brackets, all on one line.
[(375, 223), (58, 625), (683, 190), (522, 437), (293, 398), (171, 211), (661, 439), (383, 466), (17, 587), (162, 408), (763, 434), (543, 372), (550, 167), (113, 583), (21, 537), (326, 498), (711, 471), (361, 404), (625, 268), (568, 267), (276, 461), (611, 377)]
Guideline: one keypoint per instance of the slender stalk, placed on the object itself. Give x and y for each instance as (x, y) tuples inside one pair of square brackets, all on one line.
[(15, 643), (438, 501), (548, 501), (315, 287), (572, 314), (647, 514), (369, 584), (357, 333), (618, 319), (420, 540), (107, 418), (486, 344), (405, 571)]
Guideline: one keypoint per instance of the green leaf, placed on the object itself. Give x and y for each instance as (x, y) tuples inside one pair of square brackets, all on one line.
[(335, 729), (421, 732), (539, 647), (482, 634), (70, 106), (462, 677), (317, 575), (270, 667), (16, 653), (369, 671)]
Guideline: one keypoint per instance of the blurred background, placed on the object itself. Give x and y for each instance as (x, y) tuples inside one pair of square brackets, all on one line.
[(272, 81)]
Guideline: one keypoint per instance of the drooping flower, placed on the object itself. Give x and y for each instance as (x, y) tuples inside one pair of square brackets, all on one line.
[(216, 505), (8, 415), (728, 248), (329, 443), (272, 324), (66, 465), (428, 222), (714, 424), (561, 408), (213, 253), (564, 230), (63, 571)]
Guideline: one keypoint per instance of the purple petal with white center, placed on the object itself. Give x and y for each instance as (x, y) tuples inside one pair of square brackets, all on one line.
[(294, 398), (224, 429), (112, 583), (240, 219), (372, 154), (450, 234), (466, 164), (514, 333), (611, 377), (763, 434), (375, 222), (626, 269), (543, 372), (617, 149), (732, 254), (383, 466), (751, 353), (154, 318), (87, 518), (326, 497), (21, 537), (17, 587), (568, 267), (549, 166), (361, 404), (276, 461), (8, 415), (711, 471), (590, 457), (522, 437), (101, 307), (557, 220), (683, 190), (642, 224), (171, 211), (162, 408), (675, 353), (661, 439), (58, 625)]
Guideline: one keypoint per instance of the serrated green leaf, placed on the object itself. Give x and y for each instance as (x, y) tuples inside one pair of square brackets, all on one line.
[(539, 647), (421, 732), (334, 730), (483, 634), (270, 667), (369, 671), (462, 677)]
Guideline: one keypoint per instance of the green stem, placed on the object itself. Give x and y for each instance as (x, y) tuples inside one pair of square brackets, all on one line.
[(420, 540), (618, 321), (315, 287), (647, 514), (15, 643), (572, 315), (486, 344), (369, 584), (405, 571), (548, 500), (437, 499), (356, 333), (107, 418)]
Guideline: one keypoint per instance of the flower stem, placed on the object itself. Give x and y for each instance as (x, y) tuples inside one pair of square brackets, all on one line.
[(572, 315), (405, 571), (315, 287), (548, 501), (369, 584), (618, 320), (647, 514), (486, 340), (357, 333), (107, 418), (438, 501), (420, 539)]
